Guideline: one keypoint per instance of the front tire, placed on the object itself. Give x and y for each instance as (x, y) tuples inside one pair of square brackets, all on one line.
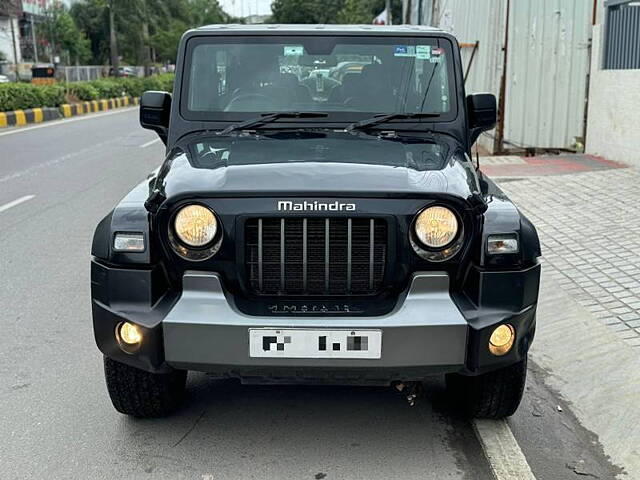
[(494, 394), (143, 394)]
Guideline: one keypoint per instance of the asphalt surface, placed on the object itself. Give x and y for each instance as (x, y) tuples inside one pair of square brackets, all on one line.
[(56, 421)]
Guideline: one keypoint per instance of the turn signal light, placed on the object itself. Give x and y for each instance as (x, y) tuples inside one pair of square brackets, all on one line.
[(502, 339), (502, 244)]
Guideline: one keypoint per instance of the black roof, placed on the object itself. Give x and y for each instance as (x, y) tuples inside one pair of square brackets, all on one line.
[(281, 29)]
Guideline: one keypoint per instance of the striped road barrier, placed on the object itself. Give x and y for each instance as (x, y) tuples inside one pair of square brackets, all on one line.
[(38, 115)]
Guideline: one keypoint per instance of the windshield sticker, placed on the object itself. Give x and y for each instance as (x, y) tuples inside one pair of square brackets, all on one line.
[(404, 51), (437, 54), (423, 52), (293, 50)]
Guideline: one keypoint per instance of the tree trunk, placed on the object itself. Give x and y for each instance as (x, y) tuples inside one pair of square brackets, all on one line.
[(113, 42), (146, 57)]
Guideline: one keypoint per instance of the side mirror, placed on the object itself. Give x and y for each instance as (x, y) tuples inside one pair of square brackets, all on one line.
[(154, 112), (482, 111)]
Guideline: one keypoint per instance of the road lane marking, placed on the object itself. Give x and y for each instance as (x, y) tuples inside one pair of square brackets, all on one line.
[(16, 202), (67, 120), (148, 144), (502, 450)]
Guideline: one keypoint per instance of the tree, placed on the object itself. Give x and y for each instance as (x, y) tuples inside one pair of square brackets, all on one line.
[(146, 31), (305, 11), (64, 36), (92, 18), (331, 11), (355, 12)]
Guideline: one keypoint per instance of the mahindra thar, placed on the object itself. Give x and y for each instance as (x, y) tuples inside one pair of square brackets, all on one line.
[(317, 219)]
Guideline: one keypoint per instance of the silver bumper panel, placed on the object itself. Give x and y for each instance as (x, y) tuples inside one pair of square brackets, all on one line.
[(204, 328)]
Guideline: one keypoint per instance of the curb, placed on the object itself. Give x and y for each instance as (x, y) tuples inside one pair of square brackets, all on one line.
[(29, 115), (71, 110), (39, 115)]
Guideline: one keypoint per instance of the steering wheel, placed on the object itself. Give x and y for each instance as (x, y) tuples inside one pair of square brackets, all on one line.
[(263, 102)]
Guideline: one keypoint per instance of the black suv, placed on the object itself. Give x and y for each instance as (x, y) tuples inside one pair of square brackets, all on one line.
[(317, 219)]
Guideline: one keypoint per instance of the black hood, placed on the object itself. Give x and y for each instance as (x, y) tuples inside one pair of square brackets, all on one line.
[(334, 164)]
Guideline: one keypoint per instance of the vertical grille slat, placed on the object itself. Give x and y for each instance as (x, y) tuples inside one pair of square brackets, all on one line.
[(326, 255), (282, 258), (315, 256), (349, 252), (260, 283), (372, 246), (304, 255)]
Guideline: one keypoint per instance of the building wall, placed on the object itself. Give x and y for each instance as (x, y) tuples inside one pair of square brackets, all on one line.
[(6, 45), (547, 70), (614, 110), (482, 21), (547, 64)]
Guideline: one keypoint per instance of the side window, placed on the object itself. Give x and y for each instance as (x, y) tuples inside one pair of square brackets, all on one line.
[(204, 90)]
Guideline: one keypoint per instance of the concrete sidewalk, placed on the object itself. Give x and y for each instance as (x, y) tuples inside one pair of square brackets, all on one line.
[(587, 212), (589, 226)]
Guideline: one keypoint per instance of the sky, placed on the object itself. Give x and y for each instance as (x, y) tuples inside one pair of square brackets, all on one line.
[(243, 8)]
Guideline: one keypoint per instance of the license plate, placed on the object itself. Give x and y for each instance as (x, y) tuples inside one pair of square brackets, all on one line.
[(306, 343)]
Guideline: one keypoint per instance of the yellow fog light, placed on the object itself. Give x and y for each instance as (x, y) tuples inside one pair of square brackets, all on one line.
[(502, 339), (129, 336)]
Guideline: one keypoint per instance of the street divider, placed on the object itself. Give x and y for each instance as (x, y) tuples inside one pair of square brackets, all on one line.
[(30, 115), (39, 115)]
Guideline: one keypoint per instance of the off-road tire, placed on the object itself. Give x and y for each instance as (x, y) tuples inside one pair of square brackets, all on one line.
[(143, 394), (494, 394)]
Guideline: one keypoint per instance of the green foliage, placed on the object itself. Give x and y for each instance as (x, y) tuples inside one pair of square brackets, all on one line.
[(15, 96), (108, 87), (92, 18), (164, 20), (356, 12), (83, 91), (331, 11), (165, 42), (305, 11), (60, 27)]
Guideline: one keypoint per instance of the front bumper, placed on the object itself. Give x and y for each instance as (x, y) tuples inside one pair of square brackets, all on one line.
[(429, 332)]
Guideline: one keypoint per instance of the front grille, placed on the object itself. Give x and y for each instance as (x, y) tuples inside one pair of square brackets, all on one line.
[(315, 256)]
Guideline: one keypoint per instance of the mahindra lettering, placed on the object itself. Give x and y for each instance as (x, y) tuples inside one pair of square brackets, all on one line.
[(317, 219)]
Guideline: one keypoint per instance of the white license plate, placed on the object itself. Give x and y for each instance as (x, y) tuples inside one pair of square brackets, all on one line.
[(306, 343)]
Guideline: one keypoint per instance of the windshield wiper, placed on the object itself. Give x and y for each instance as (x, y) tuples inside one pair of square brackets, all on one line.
[(270, 117), (378, 119)]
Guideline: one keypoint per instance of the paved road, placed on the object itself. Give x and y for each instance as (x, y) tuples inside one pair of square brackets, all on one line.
[(56, 182)]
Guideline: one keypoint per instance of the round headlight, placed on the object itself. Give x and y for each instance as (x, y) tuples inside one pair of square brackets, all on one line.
[(196, 225), (436, 227)]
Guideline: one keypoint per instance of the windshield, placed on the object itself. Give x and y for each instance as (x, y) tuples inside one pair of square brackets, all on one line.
[(342, 76), (331, 147)]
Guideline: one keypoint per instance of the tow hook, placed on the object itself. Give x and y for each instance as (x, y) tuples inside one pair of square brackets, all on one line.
[(411, 390)]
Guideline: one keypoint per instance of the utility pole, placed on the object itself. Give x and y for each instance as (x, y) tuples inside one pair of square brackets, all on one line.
[(498, 144), (389, 16), (435, 13), (15, 50), (113, 42), (145, 52), (406, 17), (33, 38)]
